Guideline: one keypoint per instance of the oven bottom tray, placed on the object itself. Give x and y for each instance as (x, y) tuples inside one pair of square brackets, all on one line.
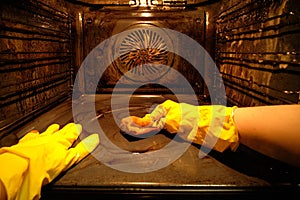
[(243, 174)]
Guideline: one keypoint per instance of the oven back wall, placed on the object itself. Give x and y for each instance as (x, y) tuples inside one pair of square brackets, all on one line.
[(35, 58), (98, 25)]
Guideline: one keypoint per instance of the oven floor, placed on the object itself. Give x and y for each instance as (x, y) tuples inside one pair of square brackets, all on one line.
[(244, 172)]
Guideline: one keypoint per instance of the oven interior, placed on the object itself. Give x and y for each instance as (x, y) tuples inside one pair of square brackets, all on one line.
[(44, 45)]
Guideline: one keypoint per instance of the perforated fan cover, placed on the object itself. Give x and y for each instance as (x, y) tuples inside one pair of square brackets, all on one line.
[(144, 55)]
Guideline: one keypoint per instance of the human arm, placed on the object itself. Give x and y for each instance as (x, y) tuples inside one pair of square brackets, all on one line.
[(271, 130)]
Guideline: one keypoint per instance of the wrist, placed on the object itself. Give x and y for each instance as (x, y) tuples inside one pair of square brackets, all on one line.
[(233, 111)]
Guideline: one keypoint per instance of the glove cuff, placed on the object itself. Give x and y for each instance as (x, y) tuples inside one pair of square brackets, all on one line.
[(216, 128)]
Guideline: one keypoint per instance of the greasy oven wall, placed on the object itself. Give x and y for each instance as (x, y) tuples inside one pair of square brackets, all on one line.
[(254, 44), (98, 25), (258, 50), (36, 48)]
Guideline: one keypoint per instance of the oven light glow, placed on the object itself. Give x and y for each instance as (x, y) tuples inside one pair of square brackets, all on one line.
[(143, 3), (148, 96), (146, 14), (207, 21)]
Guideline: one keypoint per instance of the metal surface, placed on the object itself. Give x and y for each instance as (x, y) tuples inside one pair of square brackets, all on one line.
[(257, 51), (225, 174), (36, 61)]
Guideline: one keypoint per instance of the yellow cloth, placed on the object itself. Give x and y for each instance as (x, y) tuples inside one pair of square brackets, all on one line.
[(39, 158), (209, 125)]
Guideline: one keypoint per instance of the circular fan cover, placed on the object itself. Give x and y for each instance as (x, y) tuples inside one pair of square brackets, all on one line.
[(144, 55)]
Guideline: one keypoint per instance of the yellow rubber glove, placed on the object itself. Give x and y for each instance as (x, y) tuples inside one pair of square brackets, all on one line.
[(39, 158), (208, 125)]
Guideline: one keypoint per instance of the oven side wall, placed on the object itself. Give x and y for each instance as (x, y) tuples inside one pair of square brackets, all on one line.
[(257, 51), (36, 58)]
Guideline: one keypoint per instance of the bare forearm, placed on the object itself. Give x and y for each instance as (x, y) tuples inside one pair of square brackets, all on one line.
[(271, 130)]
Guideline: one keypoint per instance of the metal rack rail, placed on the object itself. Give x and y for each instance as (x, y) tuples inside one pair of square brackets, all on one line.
[(36, 60), (257, 53)]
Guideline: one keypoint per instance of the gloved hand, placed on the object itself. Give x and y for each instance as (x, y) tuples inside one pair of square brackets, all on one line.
[(208, 125), (39, 158)]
